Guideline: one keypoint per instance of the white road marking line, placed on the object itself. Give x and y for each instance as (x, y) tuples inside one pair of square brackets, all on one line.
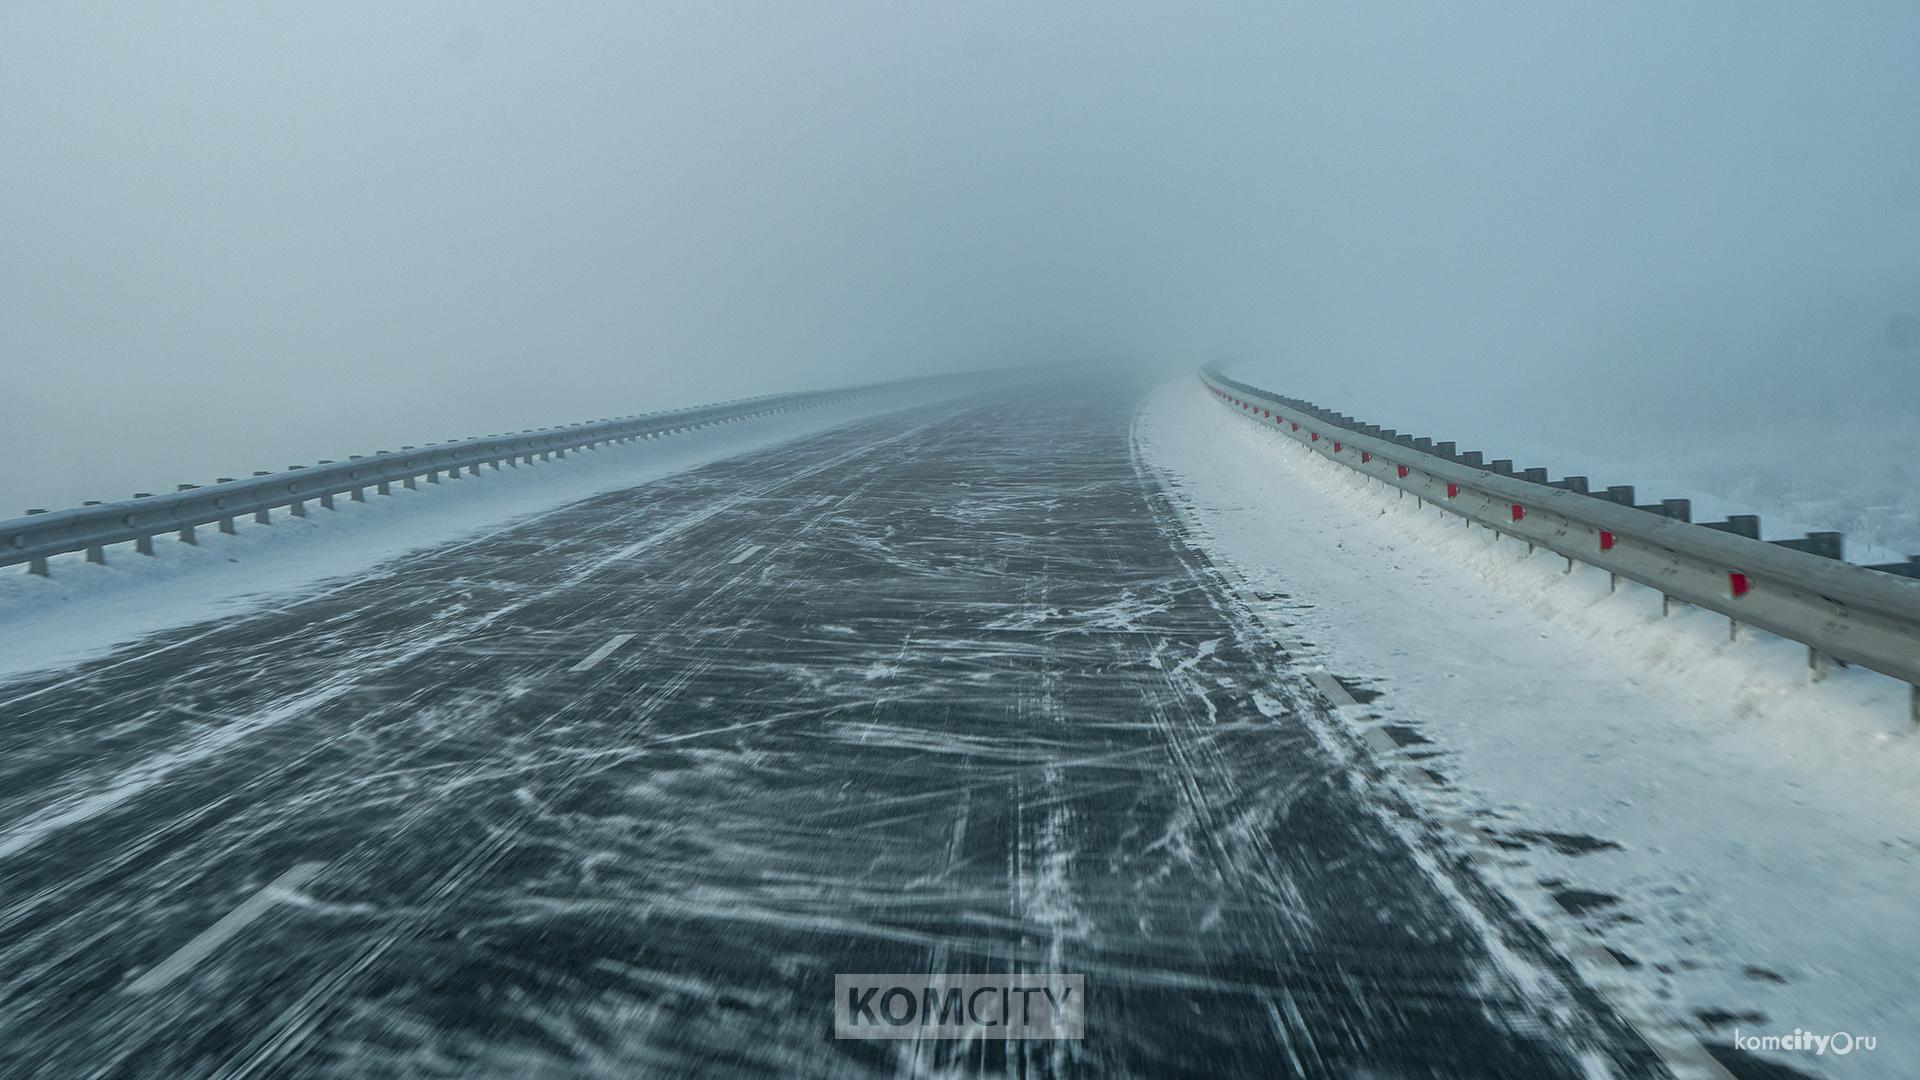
[(230, 924), (743, 556), (602, 652), (1330, 686)]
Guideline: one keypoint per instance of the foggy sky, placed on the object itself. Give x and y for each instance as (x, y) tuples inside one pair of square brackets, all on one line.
[(242, 236)]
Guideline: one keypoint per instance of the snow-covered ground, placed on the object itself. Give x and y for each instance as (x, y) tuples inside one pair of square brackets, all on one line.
[(1854, 471), (1709, 837), (81, 610)]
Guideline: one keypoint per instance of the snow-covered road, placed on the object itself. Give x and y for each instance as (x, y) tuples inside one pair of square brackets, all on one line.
[(618, 790)]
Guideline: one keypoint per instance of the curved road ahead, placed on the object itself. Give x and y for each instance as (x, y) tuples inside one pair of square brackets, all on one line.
[(619, 791)]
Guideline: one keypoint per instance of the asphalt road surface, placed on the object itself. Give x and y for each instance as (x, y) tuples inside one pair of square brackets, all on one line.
[(618, 792)]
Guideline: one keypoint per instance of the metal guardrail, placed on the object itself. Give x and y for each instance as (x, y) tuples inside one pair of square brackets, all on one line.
[(1798, 589), (91, 528)]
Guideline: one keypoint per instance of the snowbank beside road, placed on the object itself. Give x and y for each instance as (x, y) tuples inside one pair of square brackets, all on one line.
[(82, 610), (1701, 831)]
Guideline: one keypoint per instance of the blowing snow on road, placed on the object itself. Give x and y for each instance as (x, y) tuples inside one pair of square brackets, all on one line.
[(621, 789), (861, 540)]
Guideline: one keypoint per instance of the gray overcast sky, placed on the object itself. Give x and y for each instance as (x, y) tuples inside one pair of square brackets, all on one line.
[(237, 236)]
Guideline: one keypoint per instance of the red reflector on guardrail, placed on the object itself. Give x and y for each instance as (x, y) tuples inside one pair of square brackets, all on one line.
[(1336, 448), (1519, 511), (1403, 471), (1452, 490), (1739, 584), (1296, 425), (1313, 436), (1606, 540), (1365, 457)]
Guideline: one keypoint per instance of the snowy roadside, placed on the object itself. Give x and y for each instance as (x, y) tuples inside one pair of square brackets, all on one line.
[(1704, 834), (83, 611)]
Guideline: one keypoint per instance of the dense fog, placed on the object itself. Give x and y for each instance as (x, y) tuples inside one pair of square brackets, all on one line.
[(242, 236)]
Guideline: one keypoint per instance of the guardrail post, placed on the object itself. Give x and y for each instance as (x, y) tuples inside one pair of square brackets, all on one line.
[(1829, 545), (1747, 525), (187, 535), (298, 508), (326, 500), (262, 516), (226, 523), (1910, 568), (143, 544), (1818, 664), (37, 566)]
